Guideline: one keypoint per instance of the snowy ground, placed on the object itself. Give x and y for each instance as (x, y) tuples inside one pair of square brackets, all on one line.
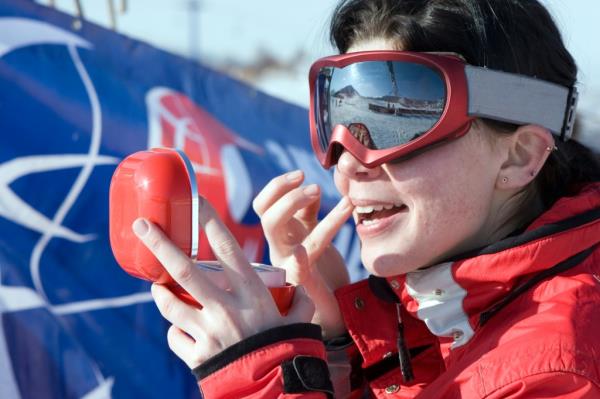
[(356, 110)]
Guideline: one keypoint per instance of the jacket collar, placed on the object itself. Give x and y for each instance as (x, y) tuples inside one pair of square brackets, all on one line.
[(450, 297)]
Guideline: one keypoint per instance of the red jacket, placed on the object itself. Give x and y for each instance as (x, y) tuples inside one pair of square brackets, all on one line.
[(517, 319)]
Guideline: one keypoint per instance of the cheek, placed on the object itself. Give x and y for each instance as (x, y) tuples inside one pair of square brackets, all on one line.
[(449, 193), (449, 209), (454, 200), (340, 181)]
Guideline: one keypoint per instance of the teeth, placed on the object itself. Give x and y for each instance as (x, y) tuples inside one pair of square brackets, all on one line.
[(375, 208), (368, 222), (367, 209)]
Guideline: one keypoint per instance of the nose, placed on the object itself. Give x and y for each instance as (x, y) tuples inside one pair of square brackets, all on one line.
[(351, 167)]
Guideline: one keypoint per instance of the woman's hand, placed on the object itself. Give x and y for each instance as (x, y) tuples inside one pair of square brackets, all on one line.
[(288, 215), (227, 317)]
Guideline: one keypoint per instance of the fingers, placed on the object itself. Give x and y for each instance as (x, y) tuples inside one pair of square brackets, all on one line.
[(290, 203), (176, 311), (275, 189), (309, 214), (182, 345), (322, 235), (177, 264), (243, 280), (299, 270), (302, 308)]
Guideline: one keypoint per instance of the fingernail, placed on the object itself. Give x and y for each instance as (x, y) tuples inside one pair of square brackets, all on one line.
[(311, 190), (294, 176), (155, 291), (140, 227)]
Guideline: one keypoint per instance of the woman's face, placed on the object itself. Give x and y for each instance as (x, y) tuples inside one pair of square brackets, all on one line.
[(444, 200)]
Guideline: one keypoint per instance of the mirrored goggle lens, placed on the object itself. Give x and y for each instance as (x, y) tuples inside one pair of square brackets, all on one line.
[(384, 104)]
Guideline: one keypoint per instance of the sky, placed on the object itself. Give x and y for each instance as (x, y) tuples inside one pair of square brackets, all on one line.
[(231, 34), (379, 84)]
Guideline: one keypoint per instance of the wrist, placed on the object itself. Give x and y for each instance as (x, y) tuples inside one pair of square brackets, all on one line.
[(331, 327)]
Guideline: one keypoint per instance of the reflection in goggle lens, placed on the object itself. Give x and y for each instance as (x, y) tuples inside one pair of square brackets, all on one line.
[(384, 104), (362, 134)]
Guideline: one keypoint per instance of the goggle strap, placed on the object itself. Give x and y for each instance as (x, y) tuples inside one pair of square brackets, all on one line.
[(519, 99)]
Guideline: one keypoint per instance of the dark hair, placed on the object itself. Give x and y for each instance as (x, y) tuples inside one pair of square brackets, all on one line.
[(516, 36)]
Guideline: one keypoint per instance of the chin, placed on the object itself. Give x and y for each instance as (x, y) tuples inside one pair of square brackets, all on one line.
[(390, 264)]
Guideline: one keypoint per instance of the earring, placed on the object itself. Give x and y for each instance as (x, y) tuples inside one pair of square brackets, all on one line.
[(550, 149), (505, 179)]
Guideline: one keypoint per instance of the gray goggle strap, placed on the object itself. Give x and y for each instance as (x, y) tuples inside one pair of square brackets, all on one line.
[(521, 100), (195, 201)]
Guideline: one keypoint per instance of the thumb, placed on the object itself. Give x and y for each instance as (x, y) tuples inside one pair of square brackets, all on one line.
[(299, 269), (302, 309)]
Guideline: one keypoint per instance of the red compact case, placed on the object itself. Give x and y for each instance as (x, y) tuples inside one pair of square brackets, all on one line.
[(154, 184), (160, 185)]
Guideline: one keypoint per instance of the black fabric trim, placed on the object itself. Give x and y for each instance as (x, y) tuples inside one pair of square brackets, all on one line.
[(338, 343), (528, 236), (380, 287), (390, 363), (553, 271), (250, 344), (305, 374)]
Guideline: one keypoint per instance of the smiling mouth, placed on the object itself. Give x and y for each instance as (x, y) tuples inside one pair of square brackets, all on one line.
[(367, 215)]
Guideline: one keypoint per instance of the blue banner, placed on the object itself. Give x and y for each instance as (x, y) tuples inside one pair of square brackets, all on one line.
[(73, 104)]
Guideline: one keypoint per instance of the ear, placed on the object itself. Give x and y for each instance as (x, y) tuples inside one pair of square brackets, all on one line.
[(527, 150)]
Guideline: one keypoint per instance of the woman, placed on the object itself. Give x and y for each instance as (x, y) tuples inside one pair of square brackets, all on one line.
[(478, 220)]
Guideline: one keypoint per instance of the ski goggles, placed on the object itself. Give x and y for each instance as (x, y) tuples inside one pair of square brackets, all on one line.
[(384, 105)]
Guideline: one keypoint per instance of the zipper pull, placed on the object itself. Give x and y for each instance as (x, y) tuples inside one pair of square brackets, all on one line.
[(403, 354)]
